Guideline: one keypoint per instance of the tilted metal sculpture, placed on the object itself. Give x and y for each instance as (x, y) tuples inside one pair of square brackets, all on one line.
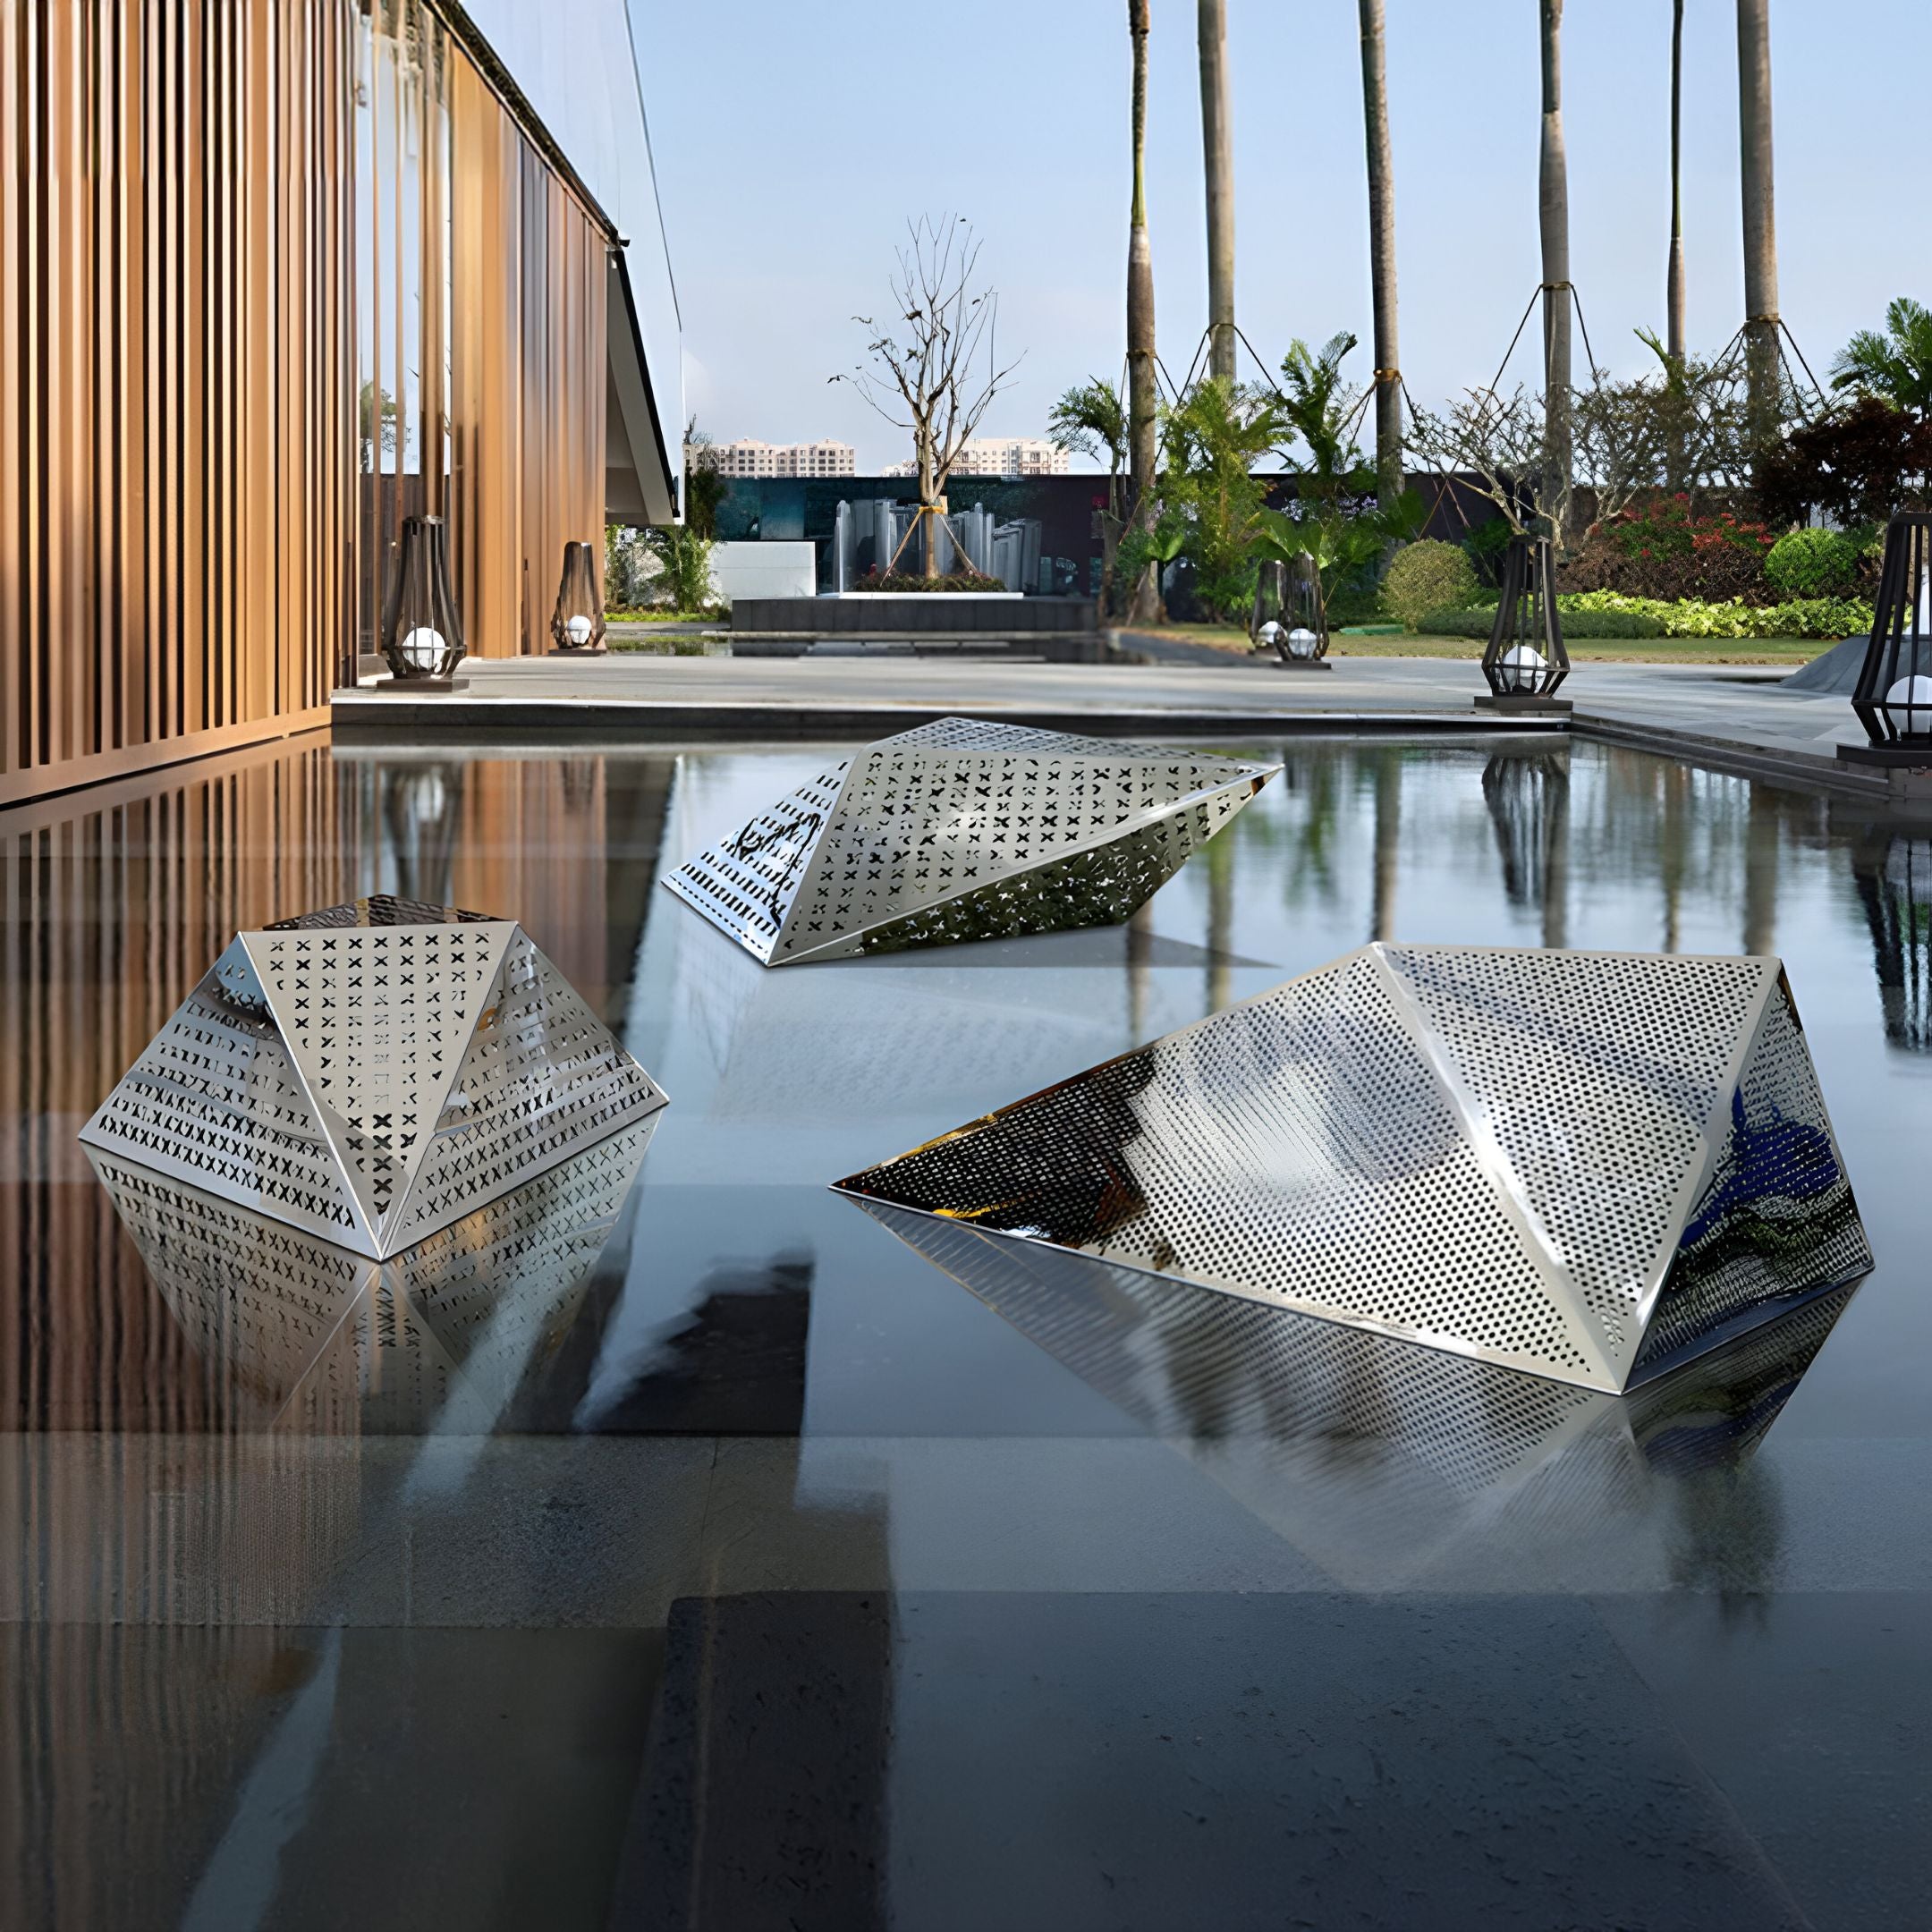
[(962, 830), (1589, 1165), (373, 1071)]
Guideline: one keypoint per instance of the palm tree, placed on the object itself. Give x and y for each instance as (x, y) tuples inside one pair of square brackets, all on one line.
[(1674, 284), (1218, 142), (1089, 421), (1382, 256), (1761, 359), (1141, 443), (1553, 207), (1896, 366)]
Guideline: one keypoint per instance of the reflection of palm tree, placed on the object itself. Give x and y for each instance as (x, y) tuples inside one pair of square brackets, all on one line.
[(1760, 874), (1387, 842), (1220, 861), (1676, 783), (1895, 886)]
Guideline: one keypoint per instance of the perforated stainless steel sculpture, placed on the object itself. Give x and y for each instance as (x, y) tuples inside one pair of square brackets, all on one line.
[(962, 830), (372, 1073), (1583, 1164)]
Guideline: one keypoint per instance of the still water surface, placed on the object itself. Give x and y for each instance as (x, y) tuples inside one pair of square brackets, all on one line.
[(535, 1530)]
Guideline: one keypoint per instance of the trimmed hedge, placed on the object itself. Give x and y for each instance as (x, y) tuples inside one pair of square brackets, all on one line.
[(1692, 617), (1581, 626)]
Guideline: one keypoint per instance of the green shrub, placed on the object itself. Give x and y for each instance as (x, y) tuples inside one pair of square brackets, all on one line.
[(1425, 577), (1813, 563), (1477, 623), (1691, 618)]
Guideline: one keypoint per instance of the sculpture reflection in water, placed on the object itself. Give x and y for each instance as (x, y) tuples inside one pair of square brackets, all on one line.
[(1380, 1461), (1894, 875), (460, 1333), (1527, 794)]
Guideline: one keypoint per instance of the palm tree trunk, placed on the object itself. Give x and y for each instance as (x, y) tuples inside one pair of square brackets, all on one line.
[(1382, 256), (1760, 230), (1554, 205), (1217, 140), (1141, 393), (1673, 289)]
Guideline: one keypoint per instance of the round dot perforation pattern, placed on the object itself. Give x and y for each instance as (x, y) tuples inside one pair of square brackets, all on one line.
[(917, 840), (1599, 1074), (1296, 1148), (1363, 1143)]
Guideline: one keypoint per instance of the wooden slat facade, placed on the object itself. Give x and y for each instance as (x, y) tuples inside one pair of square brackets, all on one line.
[(222, 223)]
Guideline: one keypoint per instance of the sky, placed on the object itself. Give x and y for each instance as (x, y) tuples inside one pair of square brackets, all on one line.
[(794, 138)]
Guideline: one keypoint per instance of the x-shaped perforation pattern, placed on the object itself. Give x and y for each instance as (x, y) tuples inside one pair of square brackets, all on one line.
[(217, 1100), (541, 1078), (1492, 1151), (372, 1073), (378, 1018), (961, 829)]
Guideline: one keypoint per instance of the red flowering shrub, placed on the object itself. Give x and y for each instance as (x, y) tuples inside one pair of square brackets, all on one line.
[(1659, 550)]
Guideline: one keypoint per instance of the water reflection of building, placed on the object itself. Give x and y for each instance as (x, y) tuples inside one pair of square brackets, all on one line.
[(1381, 1461), (1894, 876)]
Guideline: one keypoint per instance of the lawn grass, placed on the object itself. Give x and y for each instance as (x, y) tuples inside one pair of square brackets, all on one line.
[(1789, 652)]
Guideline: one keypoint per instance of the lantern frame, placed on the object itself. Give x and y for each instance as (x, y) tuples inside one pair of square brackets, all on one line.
[(1526, 616), (1899, 647), (1304, 608), (577, 595), (1270, 598), (419, 600)]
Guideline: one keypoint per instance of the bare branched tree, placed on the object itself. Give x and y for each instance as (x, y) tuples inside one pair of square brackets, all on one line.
[(1685, 428), (934, 382)]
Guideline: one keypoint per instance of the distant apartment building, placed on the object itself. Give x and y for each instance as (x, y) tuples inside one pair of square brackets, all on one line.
[(748, 457), (998, 456)]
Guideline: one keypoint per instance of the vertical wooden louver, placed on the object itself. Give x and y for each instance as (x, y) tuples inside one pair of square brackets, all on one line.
[(175, 399), (274, 274)]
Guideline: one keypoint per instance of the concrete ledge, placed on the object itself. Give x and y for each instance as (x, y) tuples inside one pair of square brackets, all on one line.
[(1786, 767), (361, 719)]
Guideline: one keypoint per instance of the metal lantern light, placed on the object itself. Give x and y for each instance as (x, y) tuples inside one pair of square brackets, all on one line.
[(577, 624), (421, 633), (1271, 593), (1893, 698), (1303, 644), (1525, 660)]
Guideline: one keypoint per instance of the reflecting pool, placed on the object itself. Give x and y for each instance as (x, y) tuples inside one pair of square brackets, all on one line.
[(674, 1542)]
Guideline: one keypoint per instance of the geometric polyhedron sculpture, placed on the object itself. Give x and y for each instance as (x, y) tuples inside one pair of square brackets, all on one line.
[(962, 830), (1588, 1165), (372, 1073)]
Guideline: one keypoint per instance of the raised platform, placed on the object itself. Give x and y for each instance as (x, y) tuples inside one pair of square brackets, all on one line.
[(1732, 718)]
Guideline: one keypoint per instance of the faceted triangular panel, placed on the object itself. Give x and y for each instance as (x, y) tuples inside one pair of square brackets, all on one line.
[(1491, 1152), (371, 1072), (962, 830)]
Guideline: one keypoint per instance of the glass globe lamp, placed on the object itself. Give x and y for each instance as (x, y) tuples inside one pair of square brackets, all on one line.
[(421, 633), (577, 624)]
